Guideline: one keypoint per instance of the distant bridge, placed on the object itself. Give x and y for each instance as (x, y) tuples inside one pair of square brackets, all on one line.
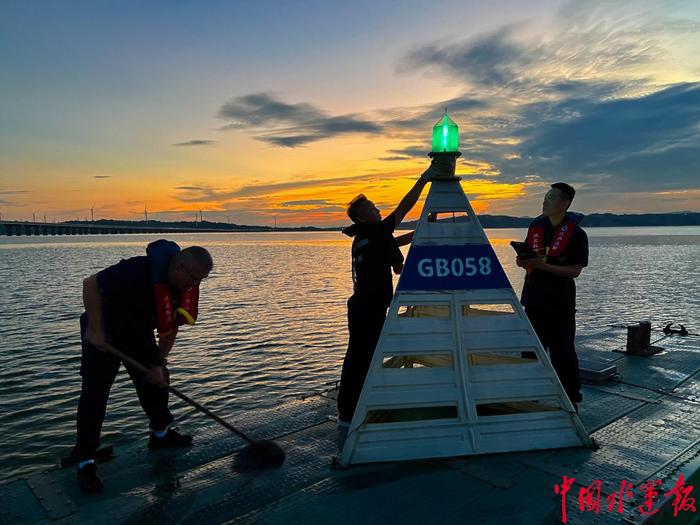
[(13, 228)]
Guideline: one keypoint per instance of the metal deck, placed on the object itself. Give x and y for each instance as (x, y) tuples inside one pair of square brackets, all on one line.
[(646, 426)]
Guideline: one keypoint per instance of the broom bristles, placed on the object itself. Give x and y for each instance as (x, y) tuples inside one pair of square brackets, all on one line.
[(259, 455)]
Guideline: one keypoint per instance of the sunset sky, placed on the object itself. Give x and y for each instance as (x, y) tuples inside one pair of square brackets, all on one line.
[(254, 110)]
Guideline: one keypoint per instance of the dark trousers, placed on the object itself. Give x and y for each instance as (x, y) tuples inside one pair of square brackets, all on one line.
[(99, 370), (365, 322), (556, 331)]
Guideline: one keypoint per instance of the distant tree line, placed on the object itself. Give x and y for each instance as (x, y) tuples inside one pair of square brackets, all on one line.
[(487, 221), (592, 220), (204, 225)]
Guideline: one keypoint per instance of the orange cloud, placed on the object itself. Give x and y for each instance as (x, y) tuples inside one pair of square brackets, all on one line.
[(325, 204)]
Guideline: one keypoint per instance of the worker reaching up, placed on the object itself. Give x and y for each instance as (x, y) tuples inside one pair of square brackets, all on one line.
[(375, 252)]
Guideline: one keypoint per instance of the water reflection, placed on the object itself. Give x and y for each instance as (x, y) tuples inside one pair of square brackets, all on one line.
[(272, 324)]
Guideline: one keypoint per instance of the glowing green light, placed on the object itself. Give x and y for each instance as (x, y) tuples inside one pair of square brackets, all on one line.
[(445, 135)]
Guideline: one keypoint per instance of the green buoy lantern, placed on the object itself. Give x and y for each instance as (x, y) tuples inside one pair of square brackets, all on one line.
[(445, 135), (446, 144)]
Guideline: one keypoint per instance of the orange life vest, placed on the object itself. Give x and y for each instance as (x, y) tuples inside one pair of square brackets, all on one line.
[(560, 240), (167, 316)]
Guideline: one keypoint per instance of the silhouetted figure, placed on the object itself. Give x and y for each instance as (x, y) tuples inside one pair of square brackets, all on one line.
[(124, 304), (549, 292), (375, 251)]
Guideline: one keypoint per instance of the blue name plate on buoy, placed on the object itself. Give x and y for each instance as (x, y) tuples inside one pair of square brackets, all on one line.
[(466, 267)]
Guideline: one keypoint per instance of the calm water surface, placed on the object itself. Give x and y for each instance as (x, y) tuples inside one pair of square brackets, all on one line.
[(272, 323)]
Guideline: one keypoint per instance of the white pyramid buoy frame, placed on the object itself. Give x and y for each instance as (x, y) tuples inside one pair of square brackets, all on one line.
[(448, 377)]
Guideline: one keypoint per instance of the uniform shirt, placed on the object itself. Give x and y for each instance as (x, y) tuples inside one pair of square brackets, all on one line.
[(546, 291), (129, 308), (374, 252)]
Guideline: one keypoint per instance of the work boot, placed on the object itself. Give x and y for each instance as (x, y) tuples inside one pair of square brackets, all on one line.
[(172, 439), (88, 480)]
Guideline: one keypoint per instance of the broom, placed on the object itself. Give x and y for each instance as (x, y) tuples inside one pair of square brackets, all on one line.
[(263, 454)]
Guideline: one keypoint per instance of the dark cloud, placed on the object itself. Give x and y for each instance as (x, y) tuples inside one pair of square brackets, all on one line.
[(196, 142), (289, 125), (579, 105), (396, 157), (587, 41), (267, 189), (425, 117), (643, 142), (207, 193), (311, 202), (10, 193), (347, 124), (263, 109), (291, 141), (199, 193), (320, 205), (102, 176), (412, 151), (492, 59), (192, 188), (318, 209)]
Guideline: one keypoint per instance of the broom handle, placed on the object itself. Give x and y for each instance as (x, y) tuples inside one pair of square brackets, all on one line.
[(138, 366)]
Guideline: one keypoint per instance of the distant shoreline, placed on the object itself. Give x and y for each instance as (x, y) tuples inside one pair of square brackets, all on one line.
[(594, 220)]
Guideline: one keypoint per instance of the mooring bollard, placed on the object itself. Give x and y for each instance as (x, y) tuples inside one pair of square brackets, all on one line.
[(639, 340)]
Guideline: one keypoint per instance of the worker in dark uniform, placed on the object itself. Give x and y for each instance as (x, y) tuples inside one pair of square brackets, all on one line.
[(375, 252), (123, 305), (549, 292)]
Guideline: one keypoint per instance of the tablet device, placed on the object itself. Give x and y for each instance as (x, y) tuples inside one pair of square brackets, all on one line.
[(523, 249)]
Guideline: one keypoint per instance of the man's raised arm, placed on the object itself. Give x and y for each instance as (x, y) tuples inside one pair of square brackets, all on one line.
[(410, 199), (438, 166), (406, 238)]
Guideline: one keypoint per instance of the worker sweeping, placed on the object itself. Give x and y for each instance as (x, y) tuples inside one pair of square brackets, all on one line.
[(124, 304)]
